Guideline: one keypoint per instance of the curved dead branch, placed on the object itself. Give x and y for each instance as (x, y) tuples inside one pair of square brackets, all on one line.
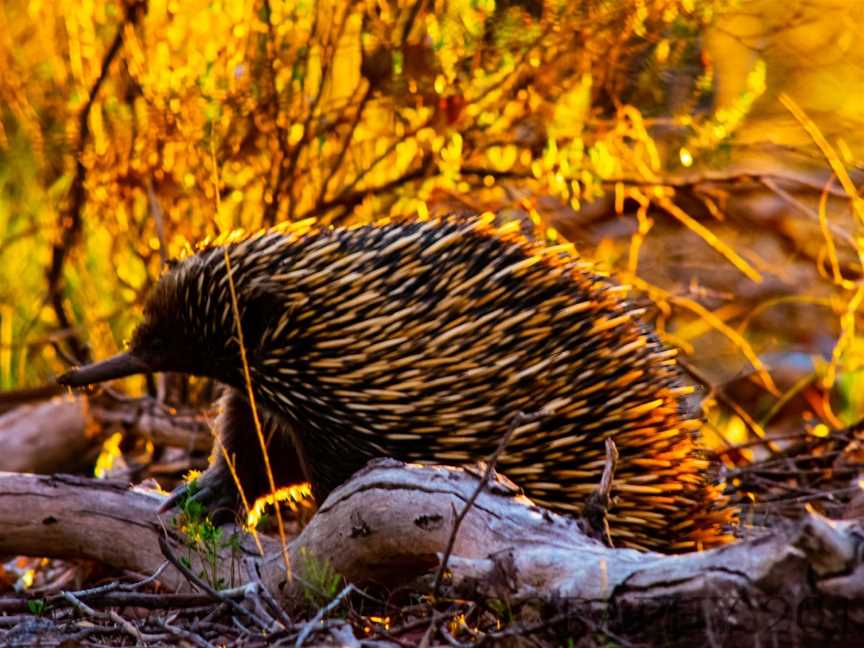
[(391, 523)]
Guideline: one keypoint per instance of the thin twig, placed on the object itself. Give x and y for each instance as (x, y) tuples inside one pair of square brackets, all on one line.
[(159, 220), (11, 239), (426, 641), (114, 599), (274, 608), (332, 605), (198, 582), (533, 629), (350, 199), (256, 418), (271, 209), (837, 230), (334, 167), (721, 397), (519, 419), (449, 638), (313, 108), (594, 513), (127, 626), (70, 218), (410, 20), (180, 633), (112, 586)]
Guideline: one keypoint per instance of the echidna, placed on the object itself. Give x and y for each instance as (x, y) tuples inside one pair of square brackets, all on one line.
[(421, 340)]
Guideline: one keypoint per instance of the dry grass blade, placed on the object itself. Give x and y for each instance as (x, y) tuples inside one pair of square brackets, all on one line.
[(314, 621), (658, 295), (710, 238), (828, 151), (235, 310)]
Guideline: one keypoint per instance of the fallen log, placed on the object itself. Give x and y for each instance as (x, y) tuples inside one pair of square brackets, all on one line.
[(64, 434), (391, 523), (47, 437)]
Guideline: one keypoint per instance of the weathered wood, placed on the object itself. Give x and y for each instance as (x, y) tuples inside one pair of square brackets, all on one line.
[(46, 437), (391, 522), (64, 516), (64, 434)]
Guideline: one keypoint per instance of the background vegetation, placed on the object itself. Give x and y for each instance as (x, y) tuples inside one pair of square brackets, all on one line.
[(705, 153)]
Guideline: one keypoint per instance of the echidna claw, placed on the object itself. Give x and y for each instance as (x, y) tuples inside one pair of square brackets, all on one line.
[(173, 499), (211, 491)]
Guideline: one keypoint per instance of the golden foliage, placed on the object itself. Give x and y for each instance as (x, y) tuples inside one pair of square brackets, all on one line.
[(339, 110)]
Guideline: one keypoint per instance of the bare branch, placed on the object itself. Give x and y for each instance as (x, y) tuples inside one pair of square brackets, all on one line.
[(70, 221), (520, 419)]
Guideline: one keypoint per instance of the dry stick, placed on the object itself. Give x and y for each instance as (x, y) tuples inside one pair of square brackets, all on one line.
[(358, 115), (392, 634), (326, 68), (180, 633), (11, 239), (12, 398), (809, 211), (609, 468), (361, 107), (349, 197), (288, 159), (114, 599), (594, 513), (117, 585), (254, 600), (271, 208), (129, 587), (426, 641), (159, 221), (127, 625), (551, 622), (332, 605), (519, 419), (270, 602), (449, 638), (409, 21), (195, 580), (281, 162)]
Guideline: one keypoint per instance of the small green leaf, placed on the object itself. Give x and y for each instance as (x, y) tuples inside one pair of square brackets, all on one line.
[(36, 606)]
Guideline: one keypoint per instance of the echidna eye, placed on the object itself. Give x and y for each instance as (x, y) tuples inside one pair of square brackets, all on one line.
[(157, 343)]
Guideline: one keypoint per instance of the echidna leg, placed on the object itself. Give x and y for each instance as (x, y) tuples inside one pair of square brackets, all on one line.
[(216, 488)]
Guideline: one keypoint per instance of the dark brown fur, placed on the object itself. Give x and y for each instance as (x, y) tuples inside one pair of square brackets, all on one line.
[(239, 438)]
